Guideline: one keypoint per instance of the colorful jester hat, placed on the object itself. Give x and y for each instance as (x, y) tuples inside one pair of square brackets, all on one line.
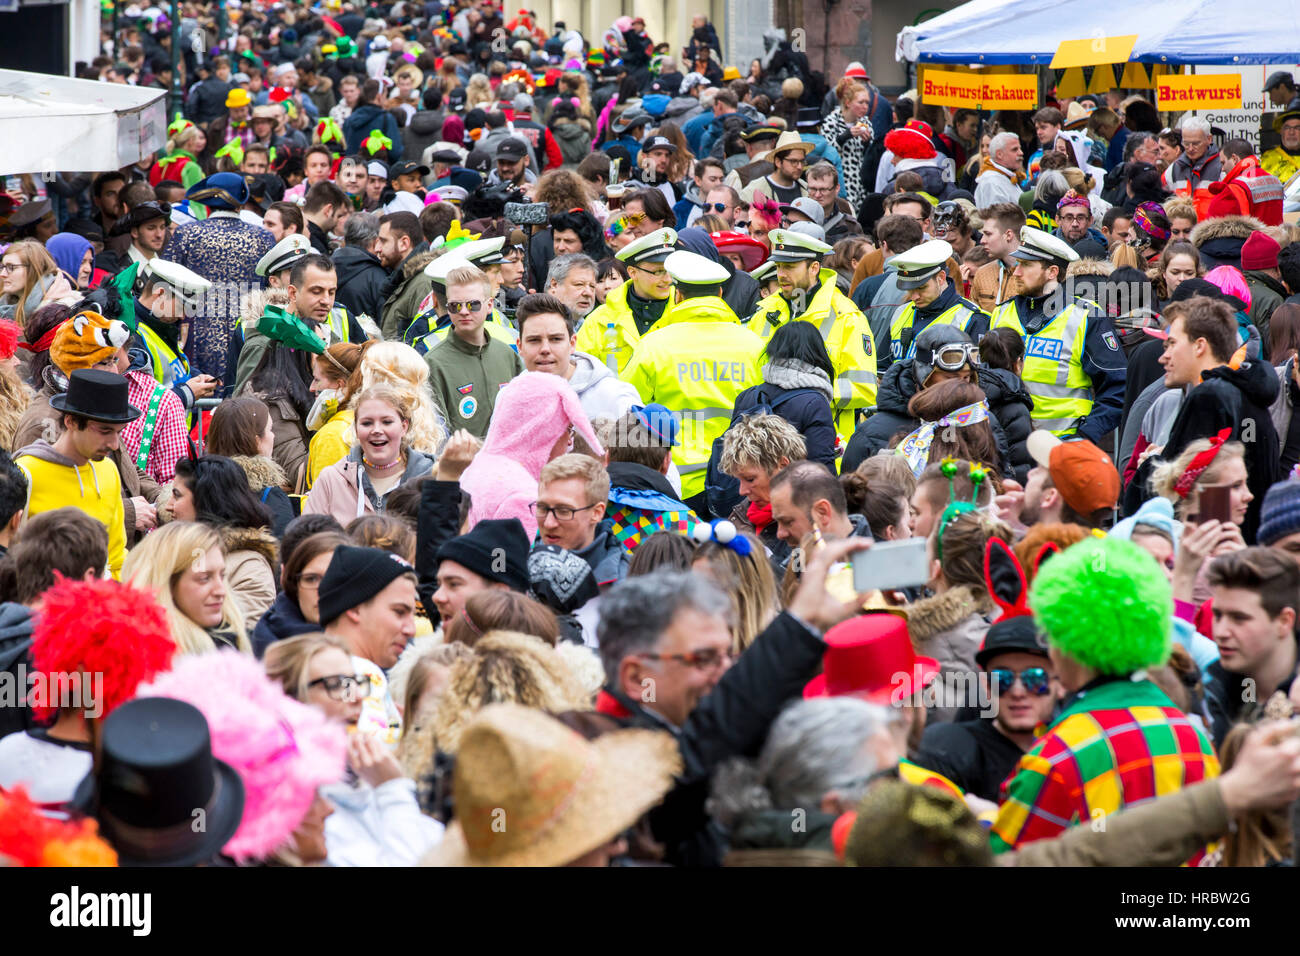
[(234, 149), (329, 131), (951, 468), (1106, 604), (177, 125), (457, 235), (376, 141)]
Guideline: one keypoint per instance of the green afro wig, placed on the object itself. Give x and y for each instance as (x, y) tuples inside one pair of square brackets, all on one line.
[(1107, 604)]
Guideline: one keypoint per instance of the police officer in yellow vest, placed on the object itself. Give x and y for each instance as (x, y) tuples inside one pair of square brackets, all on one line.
[(1073, 365), (276, 267), (808, 294), (167, 289), (432, 322), (695, 361), (1283, 160), (613, 329), (923, 281)]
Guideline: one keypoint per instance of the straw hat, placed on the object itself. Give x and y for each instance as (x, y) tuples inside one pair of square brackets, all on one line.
[(531, 792), (790, 141)]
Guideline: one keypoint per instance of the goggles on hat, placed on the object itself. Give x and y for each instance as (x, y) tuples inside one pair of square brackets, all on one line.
[(951, 358), (1034, 679)]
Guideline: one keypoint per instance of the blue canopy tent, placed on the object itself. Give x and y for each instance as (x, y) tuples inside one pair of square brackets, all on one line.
[(1028, 32)]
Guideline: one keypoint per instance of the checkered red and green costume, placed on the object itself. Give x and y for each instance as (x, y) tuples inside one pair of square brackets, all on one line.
[(1117, 744)]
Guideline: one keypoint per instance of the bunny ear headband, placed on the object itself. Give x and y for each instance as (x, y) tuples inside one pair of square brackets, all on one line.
[(1006, 580)]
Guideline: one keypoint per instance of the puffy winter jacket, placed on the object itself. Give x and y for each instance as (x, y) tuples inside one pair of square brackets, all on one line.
[(361, 281), (1011, 403), (897, 386), (574, 139)]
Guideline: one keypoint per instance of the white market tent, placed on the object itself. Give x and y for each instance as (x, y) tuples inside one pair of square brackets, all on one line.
[(1028, 32), (50, 123)]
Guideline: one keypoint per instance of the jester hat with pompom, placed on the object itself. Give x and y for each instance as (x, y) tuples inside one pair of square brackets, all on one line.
[(1106, 604)]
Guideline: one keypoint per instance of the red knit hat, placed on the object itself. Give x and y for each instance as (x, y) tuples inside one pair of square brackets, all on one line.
[(1259, 252)]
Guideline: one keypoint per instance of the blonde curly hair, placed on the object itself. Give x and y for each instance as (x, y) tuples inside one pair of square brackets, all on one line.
[(505, 667), (402, 369)]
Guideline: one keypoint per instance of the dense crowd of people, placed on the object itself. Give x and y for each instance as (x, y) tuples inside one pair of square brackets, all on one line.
[(468, 443)]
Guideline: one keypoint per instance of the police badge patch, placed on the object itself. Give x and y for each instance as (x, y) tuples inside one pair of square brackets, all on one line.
[(1109, 339), (867, 344)]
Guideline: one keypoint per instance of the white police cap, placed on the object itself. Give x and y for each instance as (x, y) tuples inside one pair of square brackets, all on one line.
[(186, 285), (656, 247), (483, 252), (284, 254), (920, 264), (437, 269), (789, 245), (1039, 246), (691, 268)]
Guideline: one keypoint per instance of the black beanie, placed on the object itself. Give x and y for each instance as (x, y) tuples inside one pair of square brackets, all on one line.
[(356, 575), (484, 547)]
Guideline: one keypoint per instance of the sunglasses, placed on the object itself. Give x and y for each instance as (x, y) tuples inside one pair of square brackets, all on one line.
[(715, 207), (473, 305), (1034, 679)]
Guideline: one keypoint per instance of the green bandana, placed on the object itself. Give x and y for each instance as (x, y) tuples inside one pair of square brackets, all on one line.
[(281, 326)]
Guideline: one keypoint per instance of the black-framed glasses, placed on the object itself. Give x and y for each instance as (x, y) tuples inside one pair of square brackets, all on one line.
[(704, 660), (561, 512), (344, 686), (473, 305), (1034, 679)]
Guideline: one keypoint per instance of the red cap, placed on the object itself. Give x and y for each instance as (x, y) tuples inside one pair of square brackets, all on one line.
[(871, 656), (857, 71)]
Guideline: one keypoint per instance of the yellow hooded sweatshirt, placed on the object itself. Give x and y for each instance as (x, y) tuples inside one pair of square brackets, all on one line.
[(53, 481)]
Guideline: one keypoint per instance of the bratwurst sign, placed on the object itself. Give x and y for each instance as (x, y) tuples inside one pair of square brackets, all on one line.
[(1206, 91), (1000, 91)]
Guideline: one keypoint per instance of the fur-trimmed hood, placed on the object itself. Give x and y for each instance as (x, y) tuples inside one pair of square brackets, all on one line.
[(561, 122), (415, 263), (943, 612), (1225, 227), (261, 472), (253, 306), (258, 540)]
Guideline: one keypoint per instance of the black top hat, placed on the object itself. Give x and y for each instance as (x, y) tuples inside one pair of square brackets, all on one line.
[(139, 215), (157, 779), (98, 395)]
